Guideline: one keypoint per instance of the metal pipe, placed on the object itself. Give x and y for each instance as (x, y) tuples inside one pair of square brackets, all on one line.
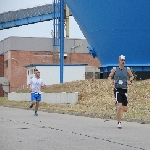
[(53, 32), (61, 39), (67, 22)]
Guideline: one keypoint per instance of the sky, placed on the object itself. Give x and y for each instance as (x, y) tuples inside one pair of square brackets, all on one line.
[(41, 29)]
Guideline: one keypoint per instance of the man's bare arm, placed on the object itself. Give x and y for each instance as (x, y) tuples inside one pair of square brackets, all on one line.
[(29, 87), (131, 76), (43, 87), (111, 75)]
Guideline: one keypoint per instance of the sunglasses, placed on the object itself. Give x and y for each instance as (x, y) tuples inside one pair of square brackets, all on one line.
[(123, 60)]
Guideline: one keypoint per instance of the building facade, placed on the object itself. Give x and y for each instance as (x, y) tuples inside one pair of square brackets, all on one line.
[(18, 52)]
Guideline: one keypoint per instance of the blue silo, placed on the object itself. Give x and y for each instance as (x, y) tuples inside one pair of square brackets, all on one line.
[(115, 27)]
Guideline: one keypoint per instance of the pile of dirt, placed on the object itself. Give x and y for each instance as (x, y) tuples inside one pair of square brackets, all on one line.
[(91, 92), (97, 96)]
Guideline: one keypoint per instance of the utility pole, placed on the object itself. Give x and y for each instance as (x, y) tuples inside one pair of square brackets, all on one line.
[(61, 40)]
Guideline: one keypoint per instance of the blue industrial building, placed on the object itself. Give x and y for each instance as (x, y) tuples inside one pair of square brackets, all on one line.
[(114, 28), (111, 27)]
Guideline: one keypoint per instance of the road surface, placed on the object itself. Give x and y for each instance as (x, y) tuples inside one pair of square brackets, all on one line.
[(21, 130)]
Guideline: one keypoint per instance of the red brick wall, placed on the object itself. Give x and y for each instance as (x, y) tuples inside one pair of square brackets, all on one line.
[(79, 58), (1, 65), (1, 73), (16, 72)]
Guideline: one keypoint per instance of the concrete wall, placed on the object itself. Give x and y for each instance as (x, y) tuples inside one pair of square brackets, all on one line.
[(4, 45), (42, 44), (50, 98), (92, 69)]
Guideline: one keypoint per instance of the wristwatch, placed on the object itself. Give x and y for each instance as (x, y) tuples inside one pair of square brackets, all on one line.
[(131, 81)]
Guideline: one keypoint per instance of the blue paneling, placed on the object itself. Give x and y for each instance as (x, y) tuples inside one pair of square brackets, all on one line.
[(133, 67), (29, 20), (27, 16), (115, 27), (25, 13)]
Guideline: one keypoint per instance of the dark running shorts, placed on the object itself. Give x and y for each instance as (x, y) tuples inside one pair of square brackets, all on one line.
[(121, 96)]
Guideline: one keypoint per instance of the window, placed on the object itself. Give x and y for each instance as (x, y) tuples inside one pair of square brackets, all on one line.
[(31, 71), (6, 64)]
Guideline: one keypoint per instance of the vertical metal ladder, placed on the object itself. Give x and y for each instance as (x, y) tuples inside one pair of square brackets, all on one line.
[(56, 22), (58, 37)]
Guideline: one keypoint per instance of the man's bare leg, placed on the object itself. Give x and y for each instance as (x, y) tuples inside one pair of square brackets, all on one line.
[(36, 108), (124, 108), (32, 103), (119, 108)]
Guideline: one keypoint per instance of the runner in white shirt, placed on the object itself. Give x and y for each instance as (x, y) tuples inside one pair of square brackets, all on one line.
[(36, 83)]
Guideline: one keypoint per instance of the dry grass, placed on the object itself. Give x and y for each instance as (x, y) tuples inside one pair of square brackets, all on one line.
[(96, 98)]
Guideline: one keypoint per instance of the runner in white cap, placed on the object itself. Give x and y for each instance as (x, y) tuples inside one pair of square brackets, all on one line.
[(119, 78)]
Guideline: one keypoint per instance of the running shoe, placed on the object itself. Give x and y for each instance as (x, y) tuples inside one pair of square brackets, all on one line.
[(31, 105), (35, 114), (119, 125)]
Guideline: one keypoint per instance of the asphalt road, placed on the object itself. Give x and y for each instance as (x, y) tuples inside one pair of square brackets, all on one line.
[(21, 130)]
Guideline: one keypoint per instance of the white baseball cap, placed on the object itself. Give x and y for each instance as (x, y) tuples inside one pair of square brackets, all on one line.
[(122, 57)]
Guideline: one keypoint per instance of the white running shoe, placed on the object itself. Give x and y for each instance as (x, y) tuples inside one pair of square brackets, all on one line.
[(119, 125)]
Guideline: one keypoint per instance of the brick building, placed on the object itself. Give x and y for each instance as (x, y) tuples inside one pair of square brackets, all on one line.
[(17, 52), (1, 72)]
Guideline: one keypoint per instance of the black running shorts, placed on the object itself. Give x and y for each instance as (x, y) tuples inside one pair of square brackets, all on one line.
[(121, 96)]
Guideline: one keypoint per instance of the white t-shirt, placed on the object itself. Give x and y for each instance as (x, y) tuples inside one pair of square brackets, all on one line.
[(35, 85)]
